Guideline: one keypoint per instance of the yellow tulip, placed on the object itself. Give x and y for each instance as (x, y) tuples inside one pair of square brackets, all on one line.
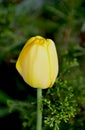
[(38, 62)]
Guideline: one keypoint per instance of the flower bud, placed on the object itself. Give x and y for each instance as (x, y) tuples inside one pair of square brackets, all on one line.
[(38, 62)]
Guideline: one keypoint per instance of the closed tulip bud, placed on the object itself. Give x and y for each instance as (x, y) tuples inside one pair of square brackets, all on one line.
[(38, 62)]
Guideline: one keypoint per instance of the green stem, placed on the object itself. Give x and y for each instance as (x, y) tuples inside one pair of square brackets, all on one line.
[(39, 109)]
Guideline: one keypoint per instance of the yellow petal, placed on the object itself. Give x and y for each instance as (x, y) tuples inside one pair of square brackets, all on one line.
[(53, 59), (38, 63)]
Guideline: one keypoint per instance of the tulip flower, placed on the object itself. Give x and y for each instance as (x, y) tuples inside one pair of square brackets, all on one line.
[(38, 65), (38, 62)]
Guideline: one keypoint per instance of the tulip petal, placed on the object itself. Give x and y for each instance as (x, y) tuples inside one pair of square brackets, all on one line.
[(41, 70), (53, 58), (38, 62)]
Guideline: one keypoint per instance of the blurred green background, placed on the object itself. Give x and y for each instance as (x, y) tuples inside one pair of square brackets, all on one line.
[(64, 104)]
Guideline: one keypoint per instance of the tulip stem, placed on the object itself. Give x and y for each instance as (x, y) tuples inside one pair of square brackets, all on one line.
[(39, 109)]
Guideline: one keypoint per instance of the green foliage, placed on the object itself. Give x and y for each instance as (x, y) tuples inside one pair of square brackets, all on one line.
[(60, 104), (3, 109), (27, 111)]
